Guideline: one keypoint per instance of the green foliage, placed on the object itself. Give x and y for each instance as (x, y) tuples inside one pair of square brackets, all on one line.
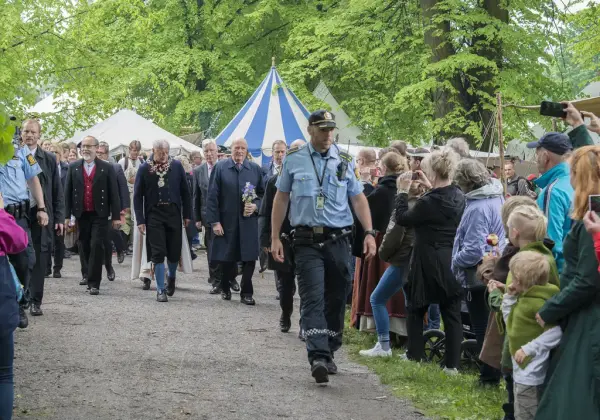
[(399, 68), (427, 387), (6, 133)]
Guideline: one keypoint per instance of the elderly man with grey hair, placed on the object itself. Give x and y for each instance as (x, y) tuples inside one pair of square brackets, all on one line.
[(161, 195), (481, 218), (460, 146)]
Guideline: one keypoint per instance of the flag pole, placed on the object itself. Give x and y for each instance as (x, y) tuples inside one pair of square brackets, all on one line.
[(501, 140)]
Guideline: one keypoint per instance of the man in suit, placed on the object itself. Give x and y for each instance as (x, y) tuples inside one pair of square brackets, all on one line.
[(160, 197), (234, 223), (284, 272), (92, 196), (114, 235), (278, 149), (60, 252), (200, 191), (43, 236)]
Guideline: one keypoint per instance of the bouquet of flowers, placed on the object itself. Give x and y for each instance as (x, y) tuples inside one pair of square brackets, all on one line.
[(248, 193)]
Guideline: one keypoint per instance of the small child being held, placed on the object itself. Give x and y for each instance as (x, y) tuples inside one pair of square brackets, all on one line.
[(529, 343)]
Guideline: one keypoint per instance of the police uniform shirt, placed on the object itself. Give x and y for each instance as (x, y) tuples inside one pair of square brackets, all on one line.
[(15, 174), (299, 177)]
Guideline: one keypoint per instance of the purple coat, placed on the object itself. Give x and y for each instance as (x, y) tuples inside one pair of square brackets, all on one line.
[(481, 218)]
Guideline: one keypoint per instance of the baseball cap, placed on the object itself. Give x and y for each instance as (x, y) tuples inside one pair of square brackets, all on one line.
[(322, 119), (558, 143)]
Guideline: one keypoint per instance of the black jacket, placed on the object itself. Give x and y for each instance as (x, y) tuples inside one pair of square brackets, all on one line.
[(64, 168), (122, 185), (264, 227), (435, 218), (200, 192), (381, 204), (53, 195), (146, 193), (105, 190)]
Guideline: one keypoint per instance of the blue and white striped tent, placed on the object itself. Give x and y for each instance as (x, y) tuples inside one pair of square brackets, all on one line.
[(272, 113)]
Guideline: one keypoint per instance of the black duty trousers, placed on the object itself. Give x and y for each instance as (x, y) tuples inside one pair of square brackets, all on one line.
[(323, 276), (163, 233)]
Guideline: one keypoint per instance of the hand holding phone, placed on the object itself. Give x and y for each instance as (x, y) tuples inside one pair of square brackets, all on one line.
[(594, 203), (553, 109)]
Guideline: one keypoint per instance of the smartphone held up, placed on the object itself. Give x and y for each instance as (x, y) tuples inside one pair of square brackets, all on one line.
[(553, 109)]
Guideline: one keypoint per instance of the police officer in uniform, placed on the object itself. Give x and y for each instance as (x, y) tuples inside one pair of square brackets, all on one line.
[(321, 178), (15, 176)]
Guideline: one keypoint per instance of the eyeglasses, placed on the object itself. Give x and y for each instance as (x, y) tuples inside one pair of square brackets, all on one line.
[(88, 146)]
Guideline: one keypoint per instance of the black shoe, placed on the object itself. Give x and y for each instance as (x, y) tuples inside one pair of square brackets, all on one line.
[(332, 367), (319, 371), (285, 323), (216, 290), (23, 320), (247, 300), (56, 274), (226, 295), (509, 411), (120, 257), (194, 256), (170, 286), (277, 296), (94, 291), (235, 286), (48, 273), (301, 335), (146, 285), (110, 273), (161, 296), (83, 281), (36, 310)]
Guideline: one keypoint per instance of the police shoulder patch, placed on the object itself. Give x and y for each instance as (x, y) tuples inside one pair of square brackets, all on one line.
[(31, 160), (295, 149)]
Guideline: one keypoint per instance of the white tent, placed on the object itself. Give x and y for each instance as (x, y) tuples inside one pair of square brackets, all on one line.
[(121, 128), (346, 132)]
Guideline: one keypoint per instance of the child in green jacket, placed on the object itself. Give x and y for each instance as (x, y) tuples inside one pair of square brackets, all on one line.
[(529, 343)]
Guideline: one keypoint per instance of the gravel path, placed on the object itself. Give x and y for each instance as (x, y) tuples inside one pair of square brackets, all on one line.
[(122, 355)]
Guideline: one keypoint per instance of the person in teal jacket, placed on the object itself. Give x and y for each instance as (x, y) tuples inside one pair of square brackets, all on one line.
[(557, 193)]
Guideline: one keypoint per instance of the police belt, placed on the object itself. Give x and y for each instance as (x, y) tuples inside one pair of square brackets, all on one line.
[(19, 210), (319, 235)]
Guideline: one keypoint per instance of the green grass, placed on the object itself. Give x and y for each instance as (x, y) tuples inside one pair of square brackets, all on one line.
[(430, 390)]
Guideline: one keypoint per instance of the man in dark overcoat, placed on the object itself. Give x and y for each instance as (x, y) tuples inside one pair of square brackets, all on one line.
[(43, 236), (235, 223)]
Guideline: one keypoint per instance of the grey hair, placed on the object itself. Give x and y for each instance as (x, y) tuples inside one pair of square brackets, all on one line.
[(460, 146), (471, 174), (104, 144), (207, 142), (276, 142), (161, 144)]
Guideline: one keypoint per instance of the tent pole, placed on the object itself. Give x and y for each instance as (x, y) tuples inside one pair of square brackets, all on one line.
[(501, 140), (273, 61)]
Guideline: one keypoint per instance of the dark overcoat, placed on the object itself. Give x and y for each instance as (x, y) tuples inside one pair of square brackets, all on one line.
[(225, 206), (53, 198)]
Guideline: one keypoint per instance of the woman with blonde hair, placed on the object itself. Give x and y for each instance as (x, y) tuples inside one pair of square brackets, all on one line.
[(573, 389), (434, 217), (368, 273)]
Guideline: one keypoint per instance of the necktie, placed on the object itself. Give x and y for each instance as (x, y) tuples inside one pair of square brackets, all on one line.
[(239, 166)]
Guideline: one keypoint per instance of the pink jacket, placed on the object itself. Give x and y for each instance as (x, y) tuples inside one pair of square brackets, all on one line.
[(13, 239)]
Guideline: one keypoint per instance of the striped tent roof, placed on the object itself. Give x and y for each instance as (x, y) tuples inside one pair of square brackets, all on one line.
[(272, 113)]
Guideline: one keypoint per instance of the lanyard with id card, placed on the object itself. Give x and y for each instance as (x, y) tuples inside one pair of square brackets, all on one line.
[(320, 204)]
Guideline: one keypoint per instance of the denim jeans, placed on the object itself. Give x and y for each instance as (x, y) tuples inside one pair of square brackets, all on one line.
[(433, 318), (7, 350), (388, 286)]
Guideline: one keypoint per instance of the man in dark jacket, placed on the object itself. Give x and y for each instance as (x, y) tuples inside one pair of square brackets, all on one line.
[(233, 221), (92, 196), (284, 272), (43, 237), (60, 253), (114, 236), (160, 197)]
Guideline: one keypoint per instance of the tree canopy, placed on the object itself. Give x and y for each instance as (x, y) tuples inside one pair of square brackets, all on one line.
[(419, 70)]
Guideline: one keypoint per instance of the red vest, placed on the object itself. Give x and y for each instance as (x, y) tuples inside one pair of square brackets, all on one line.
[(88, 180)]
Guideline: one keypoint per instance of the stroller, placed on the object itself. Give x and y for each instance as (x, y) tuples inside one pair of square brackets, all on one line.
[(435, 345)]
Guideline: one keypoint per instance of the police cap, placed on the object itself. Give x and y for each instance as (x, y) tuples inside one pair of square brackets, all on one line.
[(322, 119)]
